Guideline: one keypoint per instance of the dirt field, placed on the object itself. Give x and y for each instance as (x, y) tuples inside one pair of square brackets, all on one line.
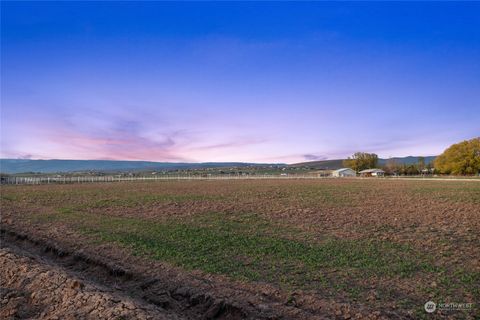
[(262, 249)]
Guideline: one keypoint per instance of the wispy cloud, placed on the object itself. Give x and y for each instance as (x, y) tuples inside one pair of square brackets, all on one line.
[(234, 143), (313, 157), (115, 136), (124, 140)]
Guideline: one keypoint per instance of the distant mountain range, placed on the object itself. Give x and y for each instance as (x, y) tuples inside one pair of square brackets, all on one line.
[(12, 166), (338, 163)]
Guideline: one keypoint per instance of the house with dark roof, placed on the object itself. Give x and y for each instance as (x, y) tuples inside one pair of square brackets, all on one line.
[(372, 173)]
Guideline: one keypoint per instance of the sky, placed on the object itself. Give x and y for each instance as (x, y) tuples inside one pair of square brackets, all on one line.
[(237, 81)]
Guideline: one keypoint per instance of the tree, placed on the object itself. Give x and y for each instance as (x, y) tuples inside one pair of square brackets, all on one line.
[(392, 167), (411, 169), (421, 163), (461, 158), (361, 161)]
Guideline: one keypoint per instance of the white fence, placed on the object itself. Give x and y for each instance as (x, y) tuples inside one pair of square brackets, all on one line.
[(87, 179), (92, 179)]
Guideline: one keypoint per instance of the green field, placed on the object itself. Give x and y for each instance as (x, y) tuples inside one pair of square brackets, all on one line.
[(401, 242)]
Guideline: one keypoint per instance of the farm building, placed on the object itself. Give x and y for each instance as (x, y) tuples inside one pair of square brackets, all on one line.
[(344, 172), (372, 173)]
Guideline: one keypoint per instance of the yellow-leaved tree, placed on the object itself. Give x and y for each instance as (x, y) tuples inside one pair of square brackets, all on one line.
[(461, 158), (361, 161)]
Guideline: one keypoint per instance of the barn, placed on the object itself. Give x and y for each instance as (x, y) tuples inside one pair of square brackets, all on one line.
[(344, 172)]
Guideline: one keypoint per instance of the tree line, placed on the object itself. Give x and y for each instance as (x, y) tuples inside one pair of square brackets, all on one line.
[(459, 159)]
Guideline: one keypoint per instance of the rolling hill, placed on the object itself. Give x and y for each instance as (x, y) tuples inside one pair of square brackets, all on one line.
[(12, 166), (338, 163)]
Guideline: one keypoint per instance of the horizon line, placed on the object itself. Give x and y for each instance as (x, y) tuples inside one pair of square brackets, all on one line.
[(193, 162)]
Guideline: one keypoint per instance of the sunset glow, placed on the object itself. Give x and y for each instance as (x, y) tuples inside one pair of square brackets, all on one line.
[(255, 82)]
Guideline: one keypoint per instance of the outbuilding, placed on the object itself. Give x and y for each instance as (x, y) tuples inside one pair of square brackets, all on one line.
[(372, 173), (344, 172)]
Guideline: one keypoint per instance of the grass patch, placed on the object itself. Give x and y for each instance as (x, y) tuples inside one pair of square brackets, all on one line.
[(247, 247), (469, 279), (10, 198), (467, 193), (332, 196), (134, 201)]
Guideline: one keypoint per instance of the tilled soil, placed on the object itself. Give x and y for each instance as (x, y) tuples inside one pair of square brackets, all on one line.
[(35, 289), (44, 280), (49, 270)]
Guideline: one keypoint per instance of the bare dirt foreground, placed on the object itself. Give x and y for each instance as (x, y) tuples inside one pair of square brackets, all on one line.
[(32, 289), (40, 280), (345, 249)]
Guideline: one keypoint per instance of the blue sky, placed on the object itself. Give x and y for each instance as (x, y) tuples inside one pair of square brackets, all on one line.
[(264, 82)]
